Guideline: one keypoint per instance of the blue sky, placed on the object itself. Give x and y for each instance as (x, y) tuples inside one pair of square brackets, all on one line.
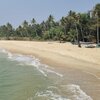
[(16, 11)]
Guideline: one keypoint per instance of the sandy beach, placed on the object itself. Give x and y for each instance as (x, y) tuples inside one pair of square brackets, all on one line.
[(64, 54), (57, 54), (66, 58)]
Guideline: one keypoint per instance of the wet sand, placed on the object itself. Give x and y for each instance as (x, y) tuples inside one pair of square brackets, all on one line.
[(80, 66)]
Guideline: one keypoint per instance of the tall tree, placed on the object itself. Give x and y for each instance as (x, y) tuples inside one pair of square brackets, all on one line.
[(33, 21)]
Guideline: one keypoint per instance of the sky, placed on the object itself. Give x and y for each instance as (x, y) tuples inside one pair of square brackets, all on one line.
[(16, 11)]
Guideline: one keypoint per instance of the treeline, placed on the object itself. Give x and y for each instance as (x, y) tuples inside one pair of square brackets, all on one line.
[(73, 27)]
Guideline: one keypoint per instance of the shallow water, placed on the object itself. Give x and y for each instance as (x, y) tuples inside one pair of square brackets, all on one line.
[(25, 78)]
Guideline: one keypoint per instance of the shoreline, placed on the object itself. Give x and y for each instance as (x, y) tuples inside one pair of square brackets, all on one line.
[(47, 72), (62, 57), (52, 52), (58, 55)]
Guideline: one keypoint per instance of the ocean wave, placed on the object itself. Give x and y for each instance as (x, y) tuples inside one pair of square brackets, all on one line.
[(50, 95), (30, 60), (75, 92), (64, 92), (59, 92), (3, 50)]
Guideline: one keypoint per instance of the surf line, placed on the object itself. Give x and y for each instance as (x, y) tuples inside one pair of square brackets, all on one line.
[(93, 75), (30, 60)]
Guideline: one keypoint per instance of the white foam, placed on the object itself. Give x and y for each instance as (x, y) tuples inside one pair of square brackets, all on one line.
[(51, 71), (50, 95), (10, 55), (29, 60), (63, 92), (3, 50), (75, 93)]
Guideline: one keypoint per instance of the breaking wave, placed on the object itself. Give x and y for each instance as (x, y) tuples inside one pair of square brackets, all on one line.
[(60, 92), (64, 92), (30, 60)]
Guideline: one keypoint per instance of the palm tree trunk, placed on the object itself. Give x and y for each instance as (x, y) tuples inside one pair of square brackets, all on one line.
[(82, 34)]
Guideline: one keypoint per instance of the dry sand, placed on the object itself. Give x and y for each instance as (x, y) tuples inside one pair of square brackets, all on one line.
[(60, 55)]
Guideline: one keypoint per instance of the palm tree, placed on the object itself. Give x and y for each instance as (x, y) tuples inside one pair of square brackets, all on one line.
[(50, 22), (33, 21), (9, 30), (96, 14), (25, 24)]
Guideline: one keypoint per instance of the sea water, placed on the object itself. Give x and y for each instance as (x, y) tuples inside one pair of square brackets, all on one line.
[(25, 78)]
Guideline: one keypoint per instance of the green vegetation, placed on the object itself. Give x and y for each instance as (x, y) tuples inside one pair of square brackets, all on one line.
[(74, 27)]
